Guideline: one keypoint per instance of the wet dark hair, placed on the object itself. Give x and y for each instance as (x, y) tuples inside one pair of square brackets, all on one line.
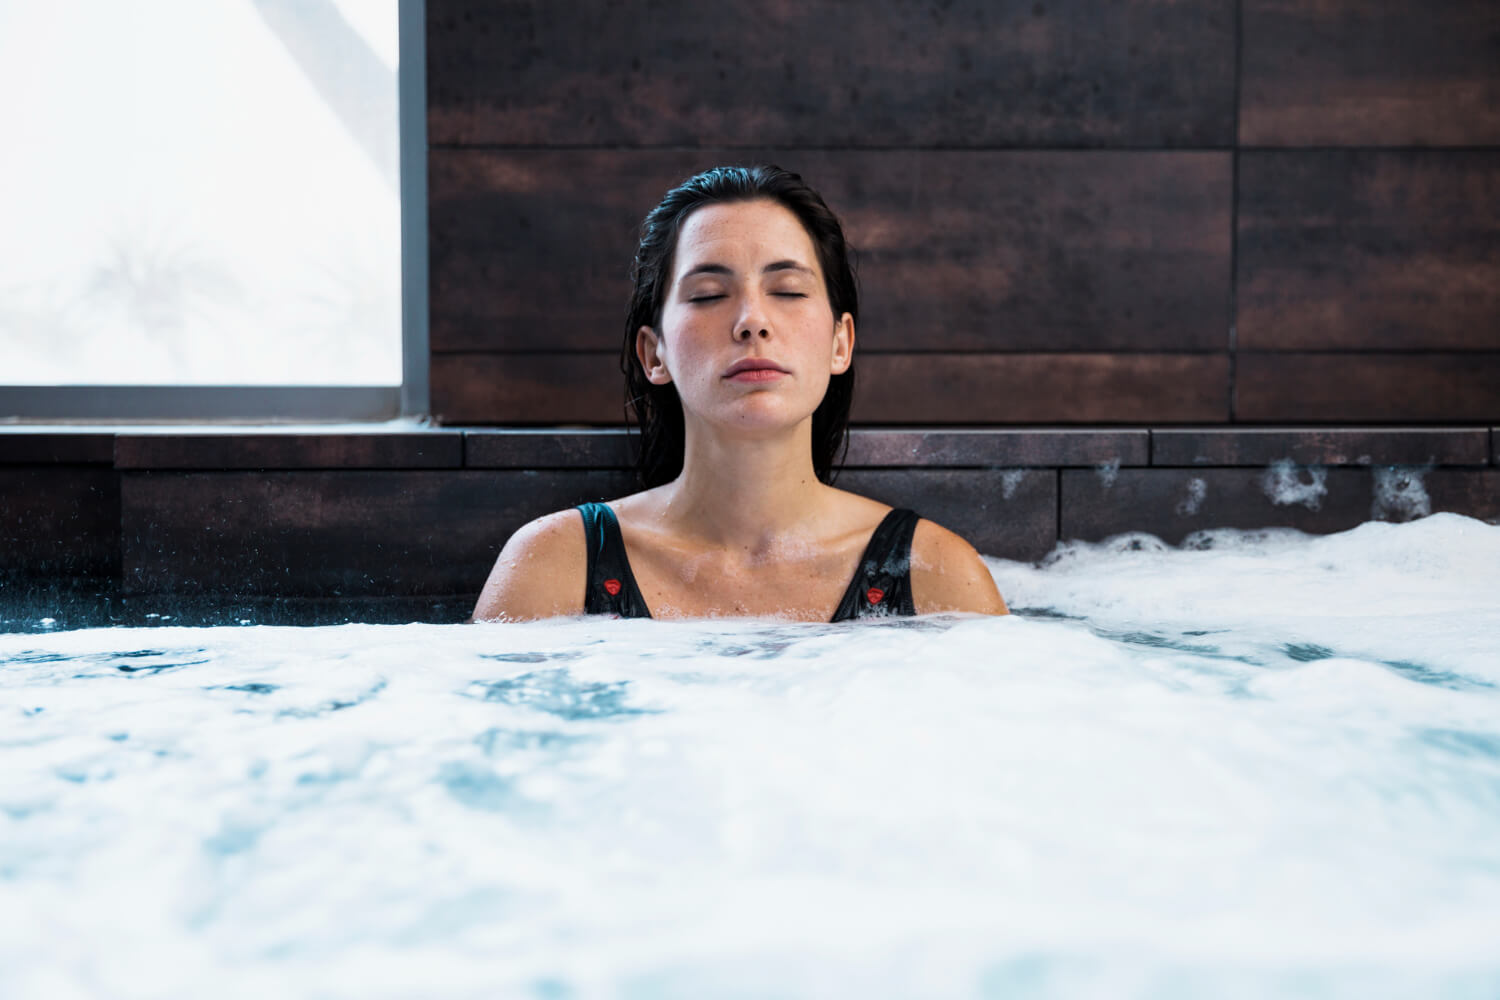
[(656, 408)]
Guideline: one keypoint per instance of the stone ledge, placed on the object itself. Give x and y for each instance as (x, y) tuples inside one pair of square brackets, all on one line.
[(227, 448), (439, 449)]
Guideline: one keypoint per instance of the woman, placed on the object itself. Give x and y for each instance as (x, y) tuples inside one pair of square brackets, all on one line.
[(738, 355)]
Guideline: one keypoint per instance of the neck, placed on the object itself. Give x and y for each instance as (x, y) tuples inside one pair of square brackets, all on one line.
[(755, 495)]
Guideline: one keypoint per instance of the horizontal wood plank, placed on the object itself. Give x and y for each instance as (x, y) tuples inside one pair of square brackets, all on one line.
[(1320, 445), (890, 388), (1394, 388), (995, 447), (301, 450), (881, 73), (1042, 388), (1369, 250), (1356, 73), (1021, 250)]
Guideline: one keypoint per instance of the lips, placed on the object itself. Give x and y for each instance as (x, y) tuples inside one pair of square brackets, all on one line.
[(753, 365)]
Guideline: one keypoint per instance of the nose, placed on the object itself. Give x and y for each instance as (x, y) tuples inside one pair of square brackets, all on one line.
[(752, 321)]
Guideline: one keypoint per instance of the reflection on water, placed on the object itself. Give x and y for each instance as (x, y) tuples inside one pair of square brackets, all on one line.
[(1215, 771)]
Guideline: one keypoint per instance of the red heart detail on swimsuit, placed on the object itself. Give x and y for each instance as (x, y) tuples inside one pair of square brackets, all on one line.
[(875, 594), (613, 586)]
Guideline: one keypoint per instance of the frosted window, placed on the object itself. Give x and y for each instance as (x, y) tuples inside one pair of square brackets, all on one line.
[(199, 192)]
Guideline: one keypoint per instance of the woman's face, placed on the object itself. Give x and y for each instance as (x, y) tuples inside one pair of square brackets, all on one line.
[(746, 288)]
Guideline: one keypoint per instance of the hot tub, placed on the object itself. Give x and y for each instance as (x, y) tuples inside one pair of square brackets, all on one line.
[(1260, 764)]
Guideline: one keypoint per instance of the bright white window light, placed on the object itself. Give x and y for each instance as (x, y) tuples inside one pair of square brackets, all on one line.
[(199, 192)]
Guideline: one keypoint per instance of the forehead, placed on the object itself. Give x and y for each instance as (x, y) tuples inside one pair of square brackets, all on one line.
[(744, 236)]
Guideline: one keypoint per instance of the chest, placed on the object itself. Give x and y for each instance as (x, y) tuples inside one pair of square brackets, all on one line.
[(704, 584)]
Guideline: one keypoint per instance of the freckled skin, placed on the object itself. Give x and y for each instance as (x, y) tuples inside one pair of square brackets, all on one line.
[(747, 528)]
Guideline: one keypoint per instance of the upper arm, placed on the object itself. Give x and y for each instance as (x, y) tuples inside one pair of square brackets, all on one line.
[(539, 573), (948, 575)]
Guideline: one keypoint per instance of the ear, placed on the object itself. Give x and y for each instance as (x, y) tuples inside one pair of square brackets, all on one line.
[(648, 351), (843, 345)]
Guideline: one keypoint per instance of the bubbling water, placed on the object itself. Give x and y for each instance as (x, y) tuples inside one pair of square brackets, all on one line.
[(1259, 764)]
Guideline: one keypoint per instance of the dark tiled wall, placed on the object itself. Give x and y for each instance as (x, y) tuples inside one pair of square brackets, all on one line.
[(347, 516), (1145, 212)]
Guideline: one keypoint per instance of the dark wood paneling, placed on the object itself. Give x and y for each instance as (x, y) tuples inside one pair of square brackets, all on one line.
[(1320, 446), (1041, 388), (58, 521), (998, 251), (417, 450), (527, 389), (1006, 513), (334, 533), (1354, 72), (1038, 251), (995, 448), (549, 449), (1390, 388), (1174, 503), (892, 388), (531, 250), (824, 73), (1369, 250), (1473, 493), (22, 447)]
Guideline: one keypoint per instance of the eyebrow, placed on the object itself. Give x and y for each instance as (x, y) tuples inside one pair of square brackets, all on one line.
[(780, 265)]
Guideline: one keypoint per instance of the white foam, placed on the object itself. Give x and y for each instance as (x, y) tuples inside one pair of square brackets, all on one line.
[(1263, 764), (1284, 485), (1399, 494)]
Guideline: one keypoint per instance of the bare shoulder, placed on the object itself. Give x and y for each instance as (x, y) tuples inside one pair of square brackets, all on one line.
[(947, 574), (540, 572)]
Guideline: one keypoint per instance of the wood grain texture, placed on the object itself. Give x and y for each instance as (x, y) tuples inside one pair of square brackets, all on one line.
[(994, 448), (59, 521), (823, 73), (345, 533), (1369, 250), (549, 449), (1320, 445), (527, 389), (1363, 73), (1008, 513), (1173, 503), (419, 450), (890, 388), (996, 251), (1041, 388), (1390, 388)]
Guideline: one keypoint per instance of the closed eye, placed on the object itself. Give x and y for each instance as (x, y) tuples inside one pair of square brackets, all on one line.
[(706, 298), (790, 295)]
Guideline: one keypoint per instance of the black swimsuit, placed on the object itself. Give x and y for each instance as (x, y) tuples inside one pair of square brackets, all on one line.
[(881, 584)]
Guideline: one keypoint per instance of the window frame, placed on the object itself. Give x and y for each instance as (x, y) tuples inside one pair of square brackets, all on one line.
[(299, 403)]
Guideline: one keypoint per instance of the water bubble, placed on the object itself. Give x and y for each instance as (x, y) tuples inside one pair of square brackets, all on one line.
[(1107, 472)]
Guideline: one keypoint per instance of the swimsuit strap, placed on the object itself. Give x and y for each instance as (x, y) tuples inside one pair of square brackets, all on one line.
[(611, 585), (882, 580)]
